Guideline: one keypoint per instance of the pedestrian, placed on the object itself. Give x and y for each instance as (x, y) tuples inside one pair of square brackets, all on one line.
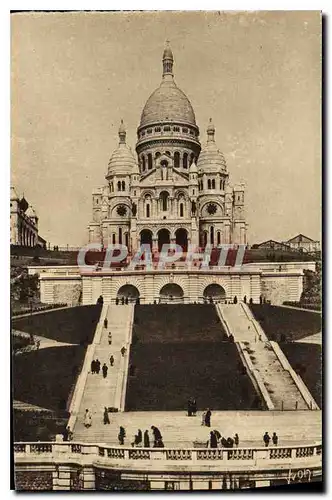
[(194, 406), (208, 418), (112, 360), (110, 338), (146, 439), (121, 435), (156, 436), (87, 418), (203, 417), (213, 440), (218, 435), (230, 442), (236, 440), (223, 442), (123, 351), (266, 439), (106, 417), (93, 366), (104, 369), (97, 366), (275, 439), (189, 407), (105, 323)]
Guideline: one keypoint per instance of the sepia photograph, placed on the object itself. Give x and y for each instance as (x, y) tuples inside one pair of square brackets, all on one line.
[(166, 250)]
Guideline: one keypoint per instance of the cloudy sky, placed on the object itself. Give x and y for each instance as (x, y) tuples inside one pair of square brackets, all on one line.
[(258, 75)]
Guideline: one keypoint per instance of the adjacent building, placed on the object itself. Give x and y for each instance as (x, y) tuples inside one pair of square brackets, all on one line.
[(23, 222)]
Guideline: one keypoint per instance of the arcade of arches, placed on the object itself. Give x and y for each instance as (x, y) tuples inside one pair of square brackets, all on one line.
[(214, 292), (171, 293), (128, 291), (164, 237)]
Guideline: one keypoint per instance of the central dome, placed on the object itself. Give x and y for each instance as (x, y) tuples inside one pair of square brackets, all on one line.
[(168, 103)]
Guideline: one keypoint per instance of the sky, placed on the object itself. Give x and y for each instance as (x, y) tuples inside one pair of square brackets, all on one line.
[(74, 76)]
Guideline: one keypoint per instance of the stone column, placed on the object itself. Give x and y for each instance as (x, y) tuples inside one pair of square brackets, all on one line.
[(89, 478), (61, 478)]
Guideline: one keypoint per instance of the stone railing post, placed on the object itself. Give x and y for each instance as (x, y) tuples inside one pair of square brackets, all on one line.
[(61, 478)]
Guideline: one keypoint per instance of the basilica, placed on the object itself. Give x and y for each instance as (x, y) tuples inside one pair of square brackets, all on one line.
[(174, 190)]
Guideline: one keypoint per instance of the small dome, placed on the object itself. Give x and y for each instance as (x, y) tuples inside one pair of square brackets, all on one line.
[(122, 161), (13, 194), (210, 158), (193, 168), (31, 212)]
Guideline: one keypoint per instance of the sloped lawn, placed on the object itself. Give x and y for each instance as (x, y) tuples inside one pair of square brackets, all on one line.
[(286, 325), (75, 325)]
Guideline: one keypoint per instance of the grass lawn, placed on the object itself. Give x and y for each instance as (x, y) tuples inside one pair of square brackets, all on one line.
[(47, 377), (167, 374), (306, 359), (291, 323), (75, 325), (177, 323), (179, 351)]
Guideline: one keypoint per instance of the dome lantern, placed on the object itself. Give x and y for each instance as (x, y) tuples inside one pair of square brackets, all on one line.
[(210, 131), (122, 133), (168, 61)]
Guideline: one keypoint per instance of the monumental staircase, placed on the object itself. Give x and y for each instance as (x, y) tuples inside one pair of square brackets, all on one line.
[(272, 374), (110, 391)]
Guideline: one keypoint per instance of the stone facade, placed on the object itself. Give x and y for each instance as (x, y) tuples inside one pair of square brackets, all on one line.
[(23, 222), (172, 190), (67, 284)]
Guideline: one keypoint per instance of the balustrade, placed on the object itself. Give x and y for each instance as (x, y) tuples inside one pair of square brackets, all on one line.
[(19, 448), (41, 448), (239, 454), (139, 454), (305, 451), (280, 453), (209, 454), (178, 454), (115, 453)]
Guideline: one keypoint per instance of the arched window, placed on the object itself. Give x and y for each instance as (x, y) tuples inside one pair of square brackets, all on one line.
[(148, 210), (119, 186), (164, 201), (113, 239), (112, 187), (149, 161), (176, 159), (185, 160), (120, 235), (218, 238), (193, 192), (209, 183), (181, 209), (157, 154), (127, 240), (192, 157), (143, 163), (223, 185), (220, 184), (213, 184), (123, 186), (211, 235)]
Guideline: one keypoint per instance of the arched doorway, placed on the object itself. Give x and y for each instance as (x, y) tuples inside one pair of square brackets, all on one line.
[(146, 237), (181, 238), (128, 291), (214, 292), (171, 294), (163, 238)]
